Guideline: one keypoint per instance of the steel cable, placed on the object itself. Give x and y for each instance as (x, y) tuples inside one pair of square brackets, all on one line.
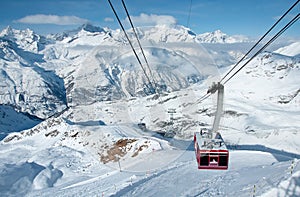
[(260, 40), (126, 35), (267, 44)]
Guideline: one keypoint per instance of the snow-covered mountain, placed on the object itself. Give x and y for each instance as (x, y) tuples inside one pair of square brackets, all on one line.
[(41, 76), (25, 39), (116, 77), (26, 85), (290, 50), (95, 147), (84, 54), (220, 37), (166, 34)]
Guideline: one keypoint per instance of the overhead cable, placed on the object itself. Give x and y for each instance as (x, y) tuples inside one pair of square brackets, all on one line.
[(136, 36), (189, 16), (267, 44), (260, 40), (204, 97), (138, 59)]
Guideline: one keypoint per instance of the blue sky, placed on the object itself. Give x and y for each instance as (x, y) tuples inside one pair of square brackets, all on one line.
[(233, 17)]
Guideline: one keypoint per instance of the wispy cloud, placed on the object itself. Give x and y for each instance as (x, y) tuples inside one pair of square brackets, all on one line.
[(108, 19), (152, 20), (51, 19)]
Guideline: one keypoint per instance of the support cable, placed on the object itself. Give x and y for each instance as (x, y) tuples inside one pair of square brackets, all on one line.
[(267, 44), (138, 59), (189, 16), (204, 97), (260, 39), (288, 25), (136, 36)]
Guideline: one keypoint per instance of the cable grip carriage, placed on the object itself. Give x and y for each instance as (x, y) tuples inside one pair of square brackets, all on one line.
[(210, 149)]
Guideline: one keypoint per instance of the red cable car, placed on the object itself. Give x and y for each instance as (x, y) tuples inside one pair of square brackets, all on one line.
[(211, 153), (210, 149)]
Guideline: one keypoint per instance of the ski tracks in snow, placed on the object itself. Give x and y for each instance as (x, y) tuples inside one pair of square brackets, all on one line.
[(133, 188)]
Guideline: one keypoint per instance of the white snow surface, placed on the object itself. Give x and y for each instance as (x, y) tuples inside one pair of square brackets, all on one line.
[(290, 50), (95, 147), (219, 37)]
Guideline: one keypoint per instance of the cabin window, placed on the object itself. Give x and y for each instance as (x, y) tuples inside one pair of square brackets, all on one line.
[(223, 160), (213, 159), (204, 159)]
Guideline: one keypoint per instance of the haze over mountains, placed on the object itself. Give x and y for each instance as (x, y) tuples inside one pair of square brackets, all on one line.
[(41, 73)]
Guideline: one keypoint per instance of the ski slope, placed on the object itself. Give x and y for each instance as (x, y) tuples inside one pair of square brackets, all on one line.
[(62, 156), (250, 173)]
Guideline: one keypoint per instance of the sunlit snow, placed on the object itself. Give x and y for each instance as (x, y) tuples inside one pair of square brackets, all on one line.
[(71, 105)]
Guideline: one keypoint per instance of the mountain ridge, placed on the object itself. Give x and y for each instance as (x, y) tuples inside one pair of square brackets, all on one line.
[(84, 66)]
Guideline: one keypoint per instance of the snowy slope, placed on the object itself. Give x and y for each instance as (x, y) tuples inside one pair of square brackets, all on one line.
[(68, 162), (263, 101), (290, 50), (26, 85), (64, 160), (13, 121)]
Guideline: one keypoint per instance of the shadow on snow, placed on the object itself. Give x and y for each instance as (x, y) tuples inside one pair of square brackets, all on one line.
[(280, 155)]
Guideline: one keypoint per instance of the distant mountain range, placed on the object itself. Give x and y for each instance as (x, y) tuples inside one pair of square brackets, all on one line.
[(219, 37), (43, 75)]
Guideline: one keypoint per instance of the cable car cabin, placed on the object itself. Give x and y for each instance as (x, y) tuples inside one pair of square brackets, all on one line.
[(211, 152)]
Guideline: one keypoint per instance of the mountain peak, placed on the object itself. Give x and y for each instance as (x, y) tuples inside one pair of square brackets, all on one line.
[(82, 30), (219, 37), (218, 32), (167, 33), (26, 39), (13, 33), (91, 28), (7, 31)]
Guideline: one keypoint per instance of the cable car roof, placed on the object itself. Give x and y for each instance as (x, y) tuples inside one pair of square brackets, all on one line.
[(206, 143)]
